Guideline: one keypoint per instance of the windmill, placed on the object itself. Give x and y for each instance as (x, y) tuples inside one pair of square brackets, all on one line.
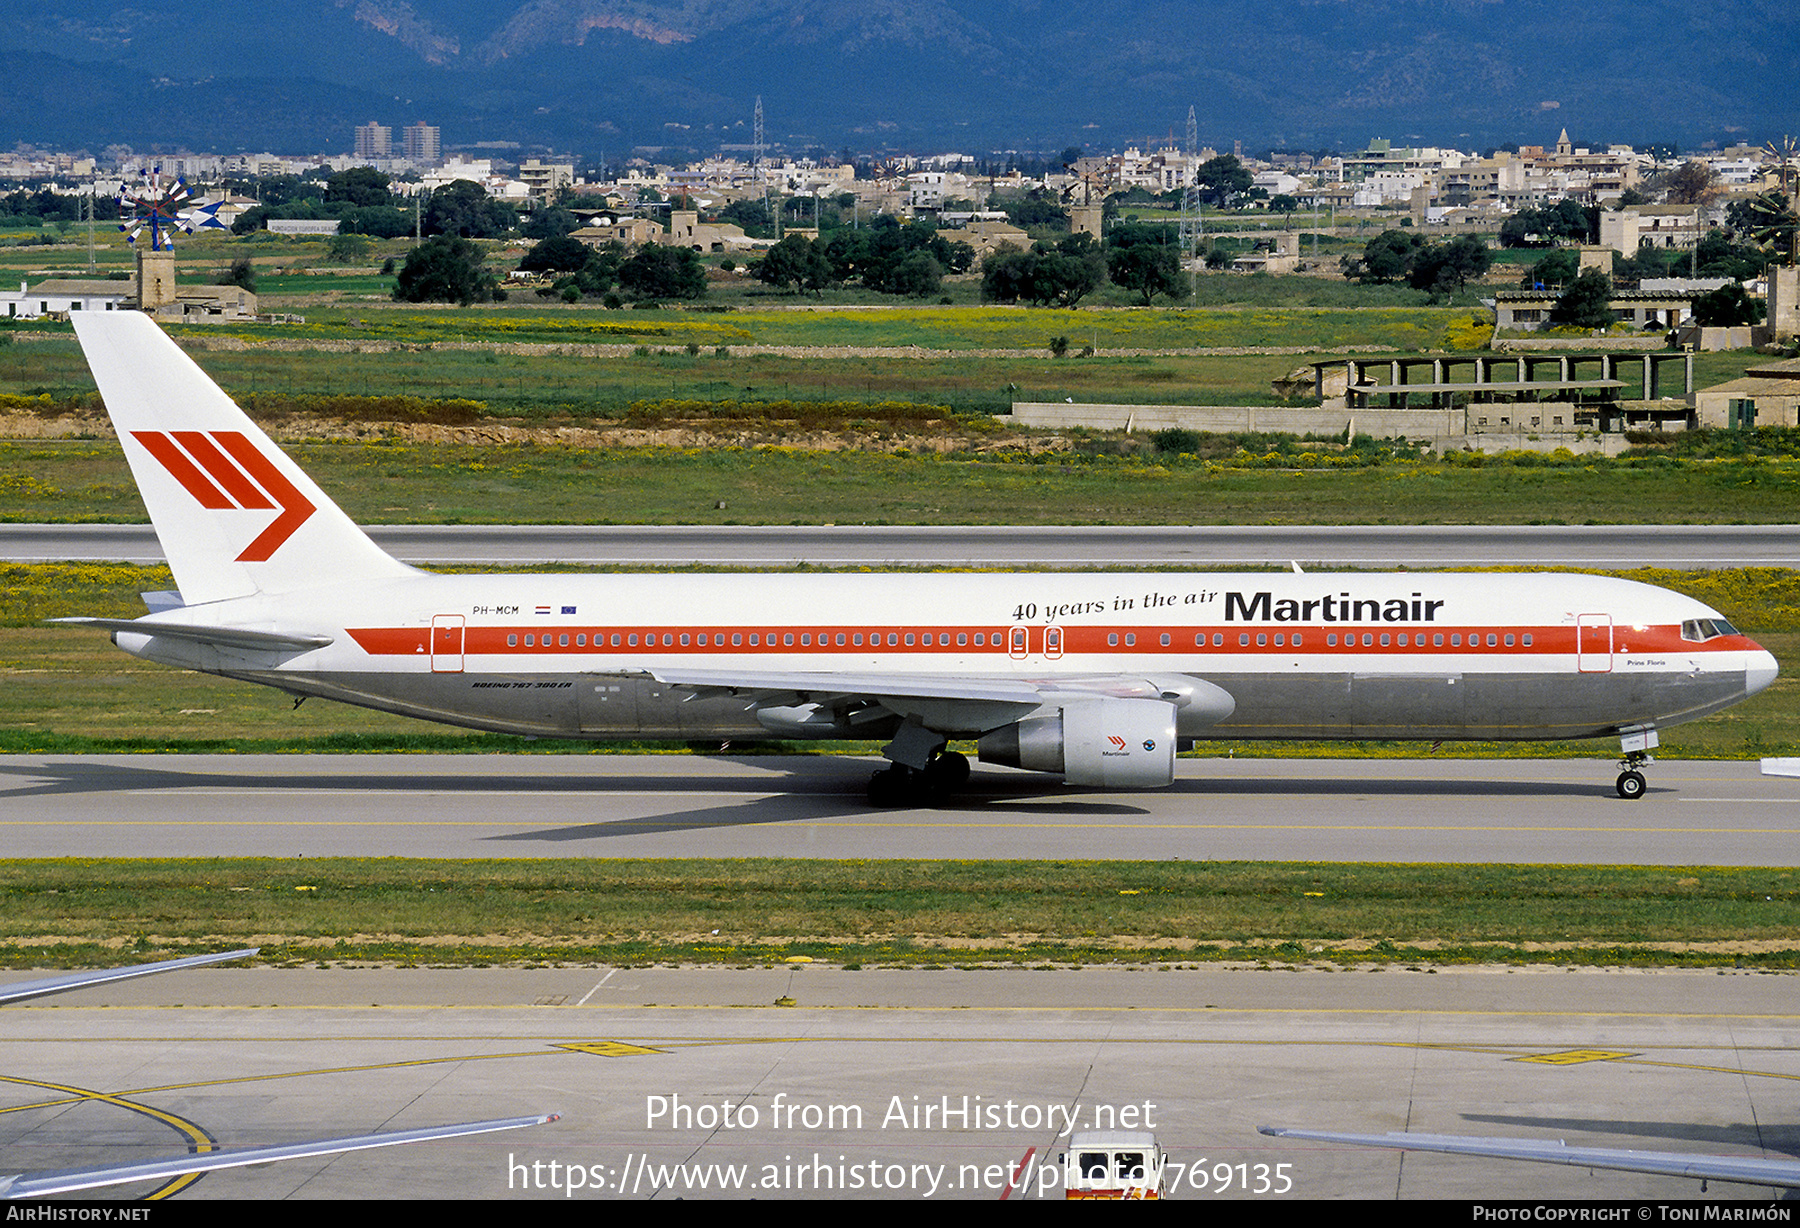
[(162, 209), (1770, 221), (1783, 156)]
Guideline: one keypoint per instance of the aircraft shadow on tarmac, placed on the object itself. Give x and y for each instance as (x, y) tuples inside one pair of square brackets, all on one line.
[(1768, 1136), (809, 788)]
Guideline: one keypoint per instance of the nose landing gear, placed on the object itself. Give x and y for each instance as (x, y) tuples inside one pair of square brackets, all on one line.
[(1635, 747), (1631, 783)]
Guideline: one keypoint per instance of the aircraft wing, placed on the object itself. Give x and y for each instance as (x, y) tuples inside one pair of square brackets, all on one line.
[(1750, 1170), (1781, 767), (969, 702), (20, 991), (44, 1184)]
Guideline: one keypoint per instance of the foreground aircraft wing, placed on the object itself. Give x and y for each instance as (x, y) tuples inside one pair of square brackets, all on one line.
[(1781, 767), (988, 700), (1747, 1169), (20, 991), (44, 1184)]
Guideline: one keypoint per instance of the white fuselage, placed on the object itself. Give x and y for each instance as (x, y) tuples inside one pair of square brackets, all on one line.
[(1410, 655)]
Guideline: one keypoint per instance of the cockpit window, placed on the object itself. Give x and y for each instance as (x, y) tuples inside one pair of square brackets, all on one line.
[(1701, 629)]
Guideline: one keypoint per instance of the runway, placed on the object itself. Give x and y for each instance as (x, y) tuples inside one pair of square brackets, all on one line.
[(1419, 810), (902, 1084), (1363, 546)]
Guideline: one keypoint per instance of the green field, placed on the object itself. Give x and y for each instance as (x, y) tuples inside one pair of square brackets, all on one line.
[(393, 481), (893, 913)]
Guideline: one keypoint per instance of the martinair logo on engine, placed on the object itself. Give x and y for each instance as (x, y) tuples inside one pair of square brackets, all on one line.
[(224, 472)]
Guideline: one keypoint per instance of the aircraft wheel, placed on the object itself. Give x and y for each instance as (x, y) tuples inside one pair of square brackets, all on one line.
[(892, 786), (949, 770), (1631, 785)]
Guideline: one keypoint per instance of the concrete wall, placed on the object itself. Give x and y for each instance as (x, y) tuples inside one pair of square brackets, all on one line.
[(1444, 429)]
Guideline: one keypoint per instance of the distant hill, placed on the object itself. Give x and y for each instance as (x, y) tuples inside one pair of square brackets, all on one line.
[(593, 76)]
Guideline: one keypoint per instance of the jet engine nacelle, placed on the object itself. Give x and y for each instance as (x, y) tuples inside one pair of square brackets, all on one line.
[(1107, 743)]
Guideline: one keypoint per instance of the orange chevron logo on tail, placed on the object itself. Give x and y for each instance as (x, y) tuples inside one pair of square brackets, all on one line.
[(224, 472)]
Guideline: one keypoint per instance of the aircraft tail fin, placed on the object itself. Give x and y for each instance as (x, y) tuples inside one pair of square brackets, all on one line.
[(234, 514)]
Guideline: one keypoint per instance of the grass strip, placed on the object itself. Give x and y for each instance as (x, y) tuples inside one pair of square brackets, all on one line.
[(747, 912)]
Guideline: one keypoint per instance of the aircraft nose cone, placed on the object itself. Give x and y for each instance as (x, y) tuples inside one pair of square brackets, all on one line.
[(1759, 671)]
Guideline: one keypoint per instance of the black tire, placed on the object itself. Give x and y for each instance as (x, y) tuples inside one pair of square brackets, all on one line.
[(1631, 785), (947, 772), (892, 787)]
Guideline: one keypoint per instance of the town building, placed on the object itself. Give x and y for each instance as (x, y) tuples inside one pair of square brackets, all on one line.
[(423, 143), (374, 141)]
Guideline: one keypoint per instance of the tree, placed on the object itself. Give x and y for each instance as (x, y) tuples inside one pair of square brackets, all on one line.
[(1007, 275), (1442, 268), (357, 186), (752, 215), (241, 273), (1691, 183), (1069, 273), (1147, 269), (549, 223), (1222, 179), (557, 255), (345, 248), (797, 263), (917, 274), (377, 221), (1387, 257), (1728, 306), (1587, 303), (463, 208), (444, 269), (1559, 268), (655, 271)]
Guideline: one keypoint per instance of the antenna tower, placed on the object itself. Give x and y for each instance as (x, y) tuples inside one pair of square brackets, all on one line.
[(756, 144), (1191, 227)]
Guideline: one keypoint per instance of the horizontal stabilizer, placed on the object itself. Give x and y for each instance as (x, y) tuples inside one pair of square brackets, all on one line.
[(222, 637)]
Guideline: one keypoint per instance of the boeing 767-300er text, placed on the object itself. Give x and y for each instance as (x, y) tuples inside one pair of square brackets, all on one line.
[(1099, 677)]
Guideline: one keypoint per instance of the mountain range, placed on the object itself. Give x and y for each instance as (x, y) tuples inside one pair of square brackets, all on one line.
[(602, 78)]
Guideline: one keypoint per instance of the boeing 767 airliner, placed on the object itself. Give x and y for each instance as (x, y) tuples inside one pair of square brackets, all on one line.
[(1099, 677)]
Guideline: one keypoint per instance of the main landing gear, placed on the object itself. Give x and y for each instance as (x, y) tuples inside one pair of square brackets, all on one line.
[(899, 785)]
